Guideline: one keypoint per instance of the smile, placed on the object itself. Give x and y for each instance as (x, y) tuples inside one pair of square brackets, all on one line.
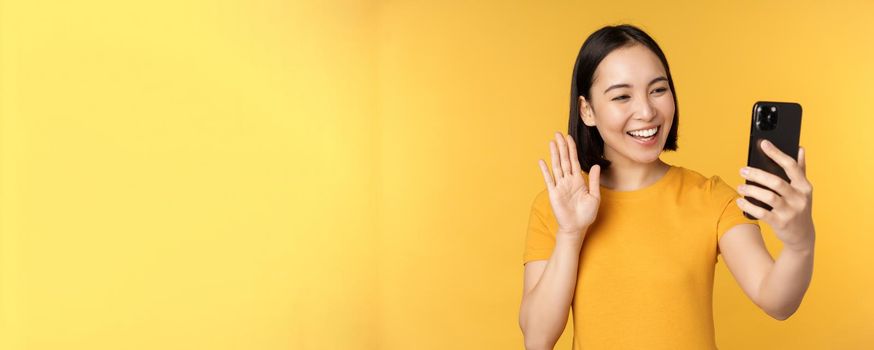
[(646, 137)]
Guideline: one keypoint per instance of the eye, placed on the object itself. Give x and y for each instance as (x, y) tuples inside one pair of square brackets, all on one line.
[(660, 90), (621, 98)]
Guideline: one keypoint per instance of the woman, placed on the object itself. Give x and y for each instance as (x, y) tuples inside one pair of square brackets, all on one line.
[(633, 252)]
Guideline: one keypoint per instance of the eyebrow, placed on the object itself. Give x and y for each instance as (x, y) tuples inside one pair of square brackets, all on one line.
[(616, 86)]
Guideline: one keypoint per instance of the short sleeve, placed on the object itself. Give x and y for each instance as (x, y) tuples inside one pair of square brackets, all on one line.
[(730, 214), (540, 238)]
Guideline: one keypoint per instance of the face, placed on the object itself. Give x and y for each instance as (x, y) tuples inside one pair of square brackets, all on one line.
[(630, 98)]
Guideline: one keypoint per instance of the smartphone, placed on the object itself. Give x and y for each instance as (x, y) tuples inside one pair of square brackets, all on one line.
[(779, 123)]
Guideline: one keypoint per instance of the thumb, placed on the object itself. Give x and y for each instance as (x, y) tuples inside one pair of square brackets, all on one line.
[(595, 181), (802, 162)]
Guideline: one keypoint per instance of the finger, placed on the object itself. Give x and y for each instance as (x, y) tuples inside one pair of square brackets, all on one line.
[(804, 186), (802, 162), (562, 151), (556, 167), (550, 183), (765, 196), (595, 181), (575, 160), (753, 209), (785, 161), (768, 180)]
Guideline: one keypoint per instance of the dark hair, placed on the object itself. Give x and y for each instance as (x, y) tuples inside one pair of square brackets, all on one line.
[(590, 145)]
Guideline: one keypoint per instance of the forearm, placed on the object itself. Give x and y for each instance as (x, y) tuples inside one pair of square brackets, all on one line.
[(544, 314), (783, 288)]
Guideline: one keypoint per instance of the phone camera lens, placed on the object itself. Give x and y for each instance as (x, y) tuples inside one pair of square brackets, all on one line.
[(766, 117)]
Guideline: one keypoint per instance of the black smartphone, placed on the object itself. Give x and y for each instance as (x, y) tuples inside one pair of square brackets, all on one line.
[(779, 123)]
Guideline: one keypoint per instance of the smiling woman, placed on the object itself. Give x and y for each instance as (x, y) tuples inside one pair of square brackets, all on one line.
[(628, 242), (619, 51)]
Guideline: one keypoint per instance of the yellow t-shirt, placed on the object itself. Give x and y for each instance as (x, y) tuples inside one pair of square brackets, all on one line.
[(645, 278)]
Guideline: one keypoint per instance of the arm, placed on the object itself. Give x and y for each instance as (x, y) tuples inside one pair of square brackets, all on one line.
[(776, 287), (548, 292), (549, 286), (784, 286)]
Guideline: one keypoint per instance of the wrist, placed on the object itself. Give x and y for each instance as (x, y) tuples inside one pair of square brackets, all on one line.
[(803, 247), (570, 236)]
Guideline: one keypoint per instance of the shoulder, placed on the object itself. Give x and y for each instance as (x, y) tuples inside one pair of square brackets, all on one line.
[(712, 190), (540, 203), (541, 210), (695, 181), (541, 219)]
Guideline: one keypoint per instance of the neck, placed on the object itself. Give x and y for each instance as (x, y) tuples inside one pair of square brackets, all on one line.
[(626, 175)]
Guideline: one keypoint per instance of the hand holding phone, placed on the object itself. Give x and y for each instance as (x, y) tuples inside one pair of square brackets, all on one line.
[(779, 123), (777, 189)]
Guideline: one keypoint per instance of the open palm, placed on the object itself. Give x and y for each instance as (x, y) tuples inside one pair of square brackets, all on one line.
[(574, 204)]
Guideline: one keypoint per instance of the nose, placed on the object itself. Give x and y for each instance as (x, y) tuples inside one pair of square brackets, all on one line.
[(645, 110)]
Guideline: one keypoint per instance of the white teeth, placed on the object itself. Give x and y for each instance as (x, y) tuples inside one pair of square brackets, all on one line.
[(644, 133)]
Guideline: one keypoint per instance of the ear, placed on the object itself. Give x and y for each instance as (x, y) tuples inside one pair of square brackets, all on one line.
[(586, 113)]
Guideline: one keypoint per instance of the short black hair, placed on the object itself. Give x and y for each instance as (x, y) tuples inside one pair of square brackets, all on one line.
[(590, 145)]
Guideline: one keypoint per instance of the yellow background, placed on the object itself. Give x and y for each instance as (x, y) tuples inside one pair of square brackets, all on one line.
[(358, 174)]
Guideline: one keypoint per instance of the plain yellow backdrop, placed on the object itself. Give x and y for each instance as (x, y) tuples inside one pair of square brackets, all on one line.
[(358, 174)]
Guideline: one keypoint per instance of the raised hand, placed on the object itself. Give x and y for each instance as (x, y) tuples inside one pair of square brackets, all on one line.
[(791, 216), (574, 204)]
